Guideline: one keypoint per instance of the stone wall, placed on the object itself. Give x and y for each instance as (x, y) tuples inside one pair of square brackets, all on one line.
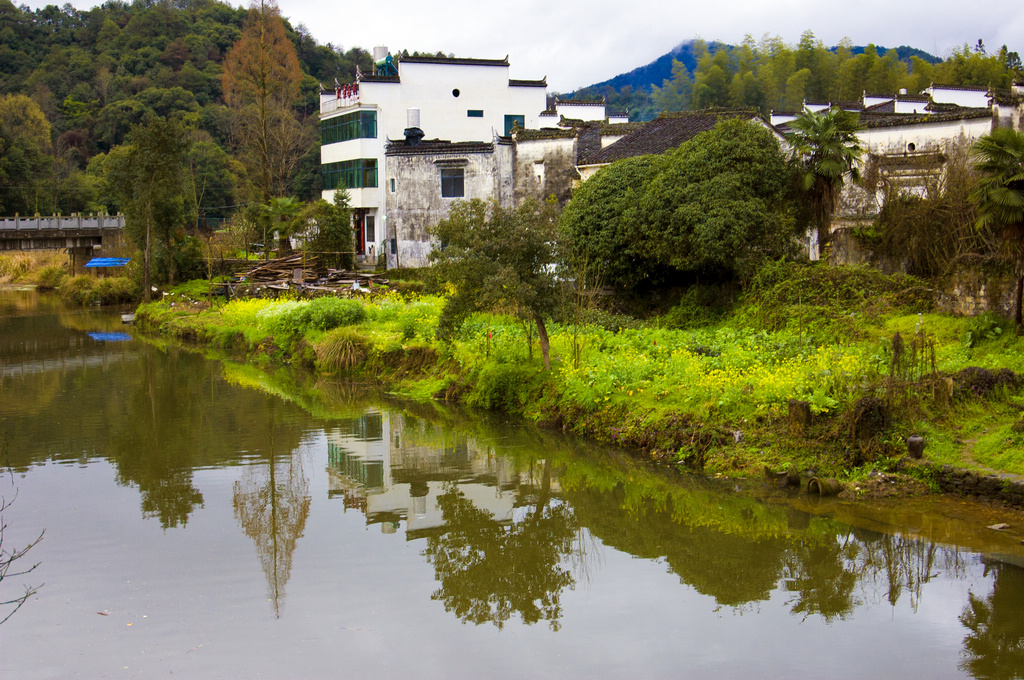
[(978, 486), (543, 168)]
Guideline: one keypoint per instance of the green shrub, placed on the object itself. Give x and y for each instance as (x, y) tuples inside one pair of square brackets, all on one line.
[(330, 312), (341, 350), (51, 277), (503, 387), (86, 290), (701, 306)]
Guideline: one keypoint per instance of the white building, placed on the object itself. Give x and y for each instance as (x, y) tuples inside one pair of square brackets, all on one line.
[(421, 132), (459, 100)]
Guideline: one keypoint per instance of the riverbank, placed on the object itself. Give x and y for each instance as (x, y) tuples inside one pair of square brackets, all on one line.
[(48, 270), (824, 371)]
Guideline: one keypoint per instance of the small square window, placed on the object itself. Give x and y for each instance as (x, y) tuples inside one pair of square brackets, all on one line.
[(475, 113), (453, 183)]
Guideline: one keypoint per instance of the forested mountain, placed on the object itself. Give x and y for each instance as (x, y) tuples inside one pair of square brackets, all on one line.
[(73, 82), (770, 74)]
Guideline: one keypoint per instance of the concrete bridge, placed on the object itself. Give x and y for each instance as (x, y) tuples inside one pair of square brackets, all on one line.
[(83, 236)]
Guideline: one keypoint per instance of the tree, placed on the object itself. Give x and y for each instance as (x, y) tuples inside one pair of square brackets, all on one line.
[(8, 558), (24, 154), (826, 149), (281, 215), (149, 178), (719, 200), (261, 81), (330, 233), (594, 227), (999, 157), (497, 259)]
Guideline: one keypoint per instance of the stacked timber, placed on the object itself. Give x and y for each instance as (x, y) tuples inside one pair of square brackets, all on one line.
[(301, 272)]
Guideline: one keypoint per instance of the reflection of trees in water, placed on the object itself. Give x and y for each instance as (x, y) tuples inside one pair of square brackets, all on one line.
[(994, 645), (822, 576), (271, 504), (490, 570)]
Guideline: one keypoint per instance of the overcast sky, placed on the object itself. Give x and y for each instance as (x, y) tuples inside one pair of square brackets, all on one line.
[(582, 42)]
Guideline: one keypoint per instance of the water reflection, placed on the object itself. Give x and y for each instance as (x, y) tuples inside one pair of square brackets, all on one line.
[(994, 645), (504, 521), (271, 504)]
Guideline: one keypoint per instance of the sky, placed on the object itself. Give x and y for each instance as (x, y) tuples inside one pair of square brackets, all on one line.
[(576, 43)]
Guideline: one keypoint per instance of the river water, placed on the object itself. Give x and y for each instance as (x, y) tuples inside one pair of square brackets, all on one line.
[(208, 519)]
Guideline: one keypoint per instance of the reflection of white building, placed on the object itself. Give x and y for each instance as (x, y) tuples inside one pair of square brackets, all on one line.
[(376, 470)]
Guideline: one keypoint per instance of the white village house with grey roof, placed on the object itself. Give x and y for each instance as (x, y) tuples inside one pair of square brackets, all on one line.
[(422, 132), (454, 116)]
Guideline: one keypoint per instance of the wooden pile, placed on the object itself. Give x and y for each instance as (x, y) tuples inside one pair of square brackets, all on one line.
[(298, 268), (301, 272)]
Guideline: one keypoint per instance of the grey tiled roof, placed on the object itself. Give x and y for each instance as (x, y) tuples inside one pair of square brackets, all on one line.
[(396, 147), (543, 82), (662, 134), (878, 120), (453, 60)]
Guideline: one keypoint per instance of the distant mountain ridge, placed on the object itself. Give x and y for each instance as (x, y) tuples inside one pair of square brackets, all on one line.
[(659, 70)]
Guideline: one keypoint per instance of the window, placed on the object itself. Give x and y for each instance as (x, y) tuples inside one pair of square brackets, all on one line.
[(392, 185), (355, 174), (475, 113), (357, 125), (371, 236), (455, 92), (453, 183), (511, 120)]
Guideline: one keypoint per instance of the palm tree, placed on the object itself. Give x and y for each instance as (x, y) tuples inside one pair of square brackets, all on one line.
[(999, 157), (826, 147), (280, 215)]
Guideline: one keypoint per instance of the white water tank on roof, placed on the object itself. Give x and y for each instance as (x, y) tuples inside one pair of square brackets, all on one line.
[(413, 117), (380, 53)]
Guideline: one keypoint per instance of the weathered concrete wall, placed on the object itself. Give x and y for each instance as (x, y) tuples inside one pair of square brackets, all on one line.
[(416, 204), (543, 168)]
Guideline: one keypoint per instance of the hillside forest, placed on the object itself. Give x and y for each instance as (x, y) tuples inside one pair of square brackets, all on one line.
[(769, 75), (74, 83)]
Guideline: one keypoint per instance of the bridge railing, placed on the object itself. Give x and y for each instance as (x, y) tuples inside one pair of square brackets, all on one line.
[(59, 222)]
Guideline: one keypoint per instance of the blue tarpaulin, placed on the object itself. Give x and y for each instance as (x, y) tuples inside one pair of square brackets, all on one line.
[(110, 337), (108, 262)]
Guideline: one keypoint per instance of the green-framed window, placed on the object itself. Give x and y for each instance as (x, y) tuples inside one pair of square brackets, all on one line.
[(511, 120), (360, 173), (356, 125)]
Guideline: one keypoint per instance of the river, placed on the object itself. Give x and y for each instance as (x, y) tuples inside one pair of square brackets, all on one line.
[(208, 519)]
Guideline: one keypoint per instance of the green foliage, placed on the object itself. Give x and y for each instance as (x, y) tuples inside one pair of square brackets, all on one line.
[(720, 202), (341, 350), (497, 259), (149, 179), (999, 158), (503, 386), (771, 75), (817, 298), (87, 290), (826, 148), (598, 231), (322, 314), (332, 237), (714, 206), (700, 306)]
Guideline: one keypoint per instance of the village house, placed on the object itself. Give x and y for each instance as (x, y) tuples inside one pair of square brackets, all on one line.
[(421, 132)]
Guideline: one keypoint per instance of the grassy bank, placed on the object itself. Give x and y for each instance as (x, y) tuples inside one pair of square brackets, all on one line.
[(820, 368), (48, 270)]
